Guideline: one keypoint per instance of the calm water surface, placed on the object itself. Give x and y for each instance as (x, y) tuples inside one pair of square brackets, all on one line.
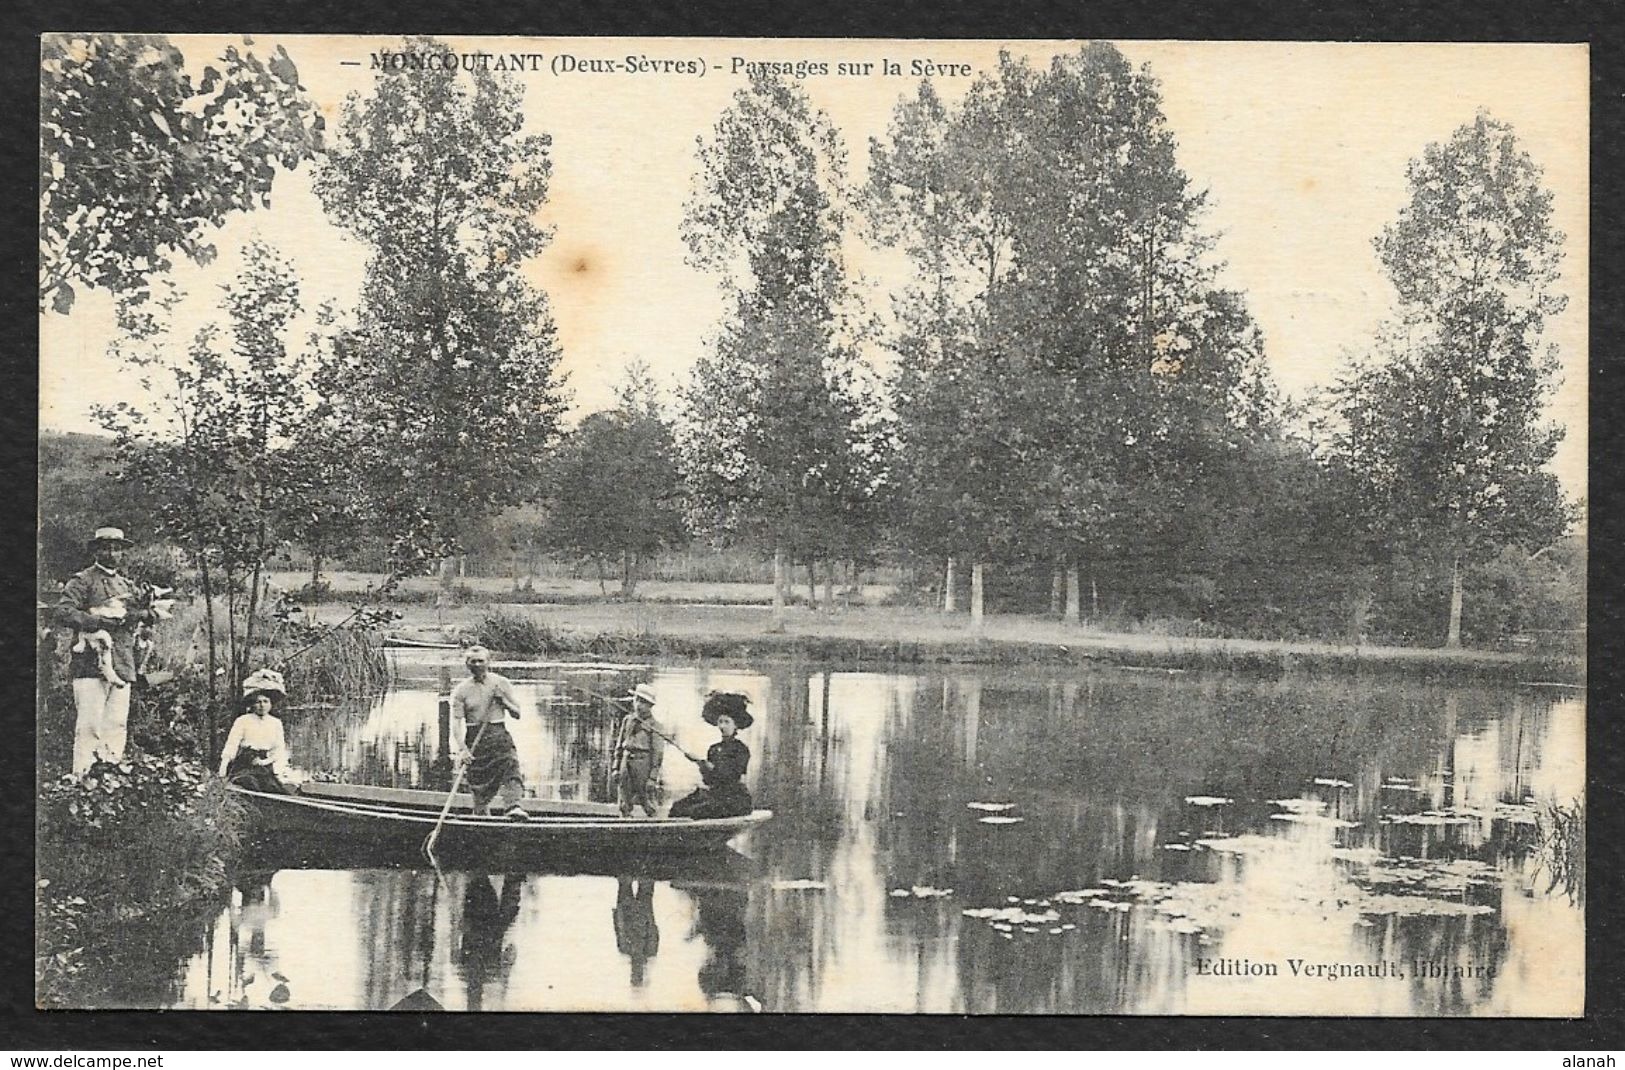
[(982, 841)]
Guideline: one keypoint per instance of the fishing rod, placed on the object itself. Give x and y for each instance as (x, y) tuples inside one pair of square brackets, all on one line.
[(620, 704)]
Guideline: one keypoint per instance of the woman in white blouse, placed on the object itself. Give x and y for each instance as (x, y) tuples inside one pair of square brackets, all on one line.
[(256, 752)]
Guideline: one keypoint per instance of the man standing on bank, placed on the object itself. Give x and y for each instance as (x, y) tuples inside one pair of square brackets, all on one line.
[(107, 608), (639, 747), (493, 763)]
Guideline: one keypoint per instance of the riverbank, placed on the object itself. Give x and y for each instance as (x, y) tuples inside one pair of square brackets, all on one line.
[(897, 635)]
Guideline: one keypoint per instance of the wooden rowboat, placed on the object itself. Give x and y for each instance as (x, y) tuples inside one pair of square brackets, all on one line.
[(404, 817), (406, 642)]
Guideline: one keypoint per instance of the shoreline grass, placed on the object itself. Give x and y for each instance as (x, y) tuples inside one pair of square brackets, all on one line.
[(524, 629)]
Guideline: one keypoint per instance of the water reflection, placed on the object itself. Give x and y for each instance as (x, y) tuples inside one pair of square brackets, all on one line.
[(637, 934), (973, 842)]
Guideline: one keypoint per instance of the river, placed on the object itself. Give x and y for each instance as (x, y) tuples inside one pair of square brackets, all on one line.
[(965, 840)]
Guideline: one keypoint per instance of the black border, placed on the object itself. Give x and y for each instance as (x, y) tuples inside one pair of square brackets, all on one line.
[(1598, 23)]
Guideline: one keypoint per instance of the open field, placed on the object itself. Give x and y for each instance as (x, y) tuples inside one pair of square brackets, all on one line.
[(345, 584), (893, 634)]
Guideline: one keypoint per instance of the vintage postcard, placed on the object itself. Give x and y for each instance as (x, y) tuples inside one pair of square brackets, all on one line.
[(733, 525)]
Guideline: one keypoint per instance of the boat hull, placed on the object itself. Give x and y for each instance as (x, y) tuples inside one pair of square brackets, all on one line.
[(383, 816)]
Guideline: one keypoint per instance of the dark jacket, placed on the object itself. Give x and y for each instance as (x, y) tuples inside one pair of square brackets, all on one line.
[(93, 587), (725, 765)]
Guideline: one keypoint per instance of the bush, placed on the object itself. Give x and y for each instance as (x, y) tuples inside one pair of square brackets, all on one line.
[(515, 633), (126, 842), (130, 848)]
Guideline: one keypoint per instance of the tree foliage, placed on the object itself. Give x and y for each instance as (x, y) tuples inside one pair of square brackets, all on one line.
[(780, 442), (447, 377), (215, 452), (1066, 355), (1441, 423), (615, 494), (138, 160)]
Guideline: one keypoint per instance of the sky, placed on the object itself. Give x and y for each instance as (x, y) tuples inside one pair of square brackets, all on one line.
[(1302, 148)]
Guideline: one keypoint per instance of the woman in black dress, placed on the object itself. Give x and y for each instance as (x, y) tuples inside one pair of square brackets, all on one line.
[(723, 767)]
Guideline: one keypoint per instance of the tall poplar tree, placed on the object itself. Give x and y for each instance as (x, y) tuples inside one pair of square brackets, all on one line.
[(448, 376), (778, 442), (1446, 425)]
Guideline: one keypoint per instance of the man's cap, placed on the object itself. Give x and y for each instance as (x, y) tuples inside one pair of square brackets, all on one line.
[(110, 535)]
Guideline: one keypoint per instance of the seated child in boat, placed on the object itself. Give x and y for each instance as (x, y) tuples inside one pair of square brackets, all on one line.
[(723, 767)]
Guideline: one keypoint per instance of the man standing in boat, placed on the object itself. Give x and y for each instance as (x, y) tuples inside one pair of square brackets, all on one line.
[(639, 747), (483, 700)]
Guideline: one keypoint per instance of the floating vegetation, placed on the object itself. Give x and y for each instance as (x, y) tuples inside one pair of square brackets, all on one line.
[(801, 884), (1316, 819), (1001, 820), (1419, 906), (1434, 817), (1357, 855), (991, 807), (1396, 784), (1329, 782), (1207, 800), (1176, 847), (1516, 814), (1247, 844), (1451, 877), (1079, 897), (1011, 916), (921, 891), (1300, 806)]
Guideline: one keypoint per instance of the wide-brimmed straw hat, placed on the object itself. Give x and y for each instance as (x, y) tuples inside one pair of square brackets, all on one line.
[(646, 692), (113, 535), (731, 703), (264, 681)]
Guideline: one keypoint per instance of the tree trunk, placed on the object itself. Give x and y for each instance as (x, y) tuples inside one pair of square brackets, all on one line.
[(1452, 638), (1359, 608), (603, 581), (1057, 582), (442, 596), (812, 583), (1072, 595), (209, 725), (829, 586), (778, 589), (629, 575), (948, 588), (1094, 600), (976, 596), (316, 578)]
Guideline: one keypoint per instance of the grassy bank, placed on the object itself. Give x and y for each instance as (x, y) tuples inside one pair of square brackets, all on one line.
[(886, 636)]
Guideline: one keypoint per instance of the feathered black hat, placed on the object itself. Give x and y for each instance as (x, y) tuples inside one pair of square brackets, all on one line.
[(731, 703)]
